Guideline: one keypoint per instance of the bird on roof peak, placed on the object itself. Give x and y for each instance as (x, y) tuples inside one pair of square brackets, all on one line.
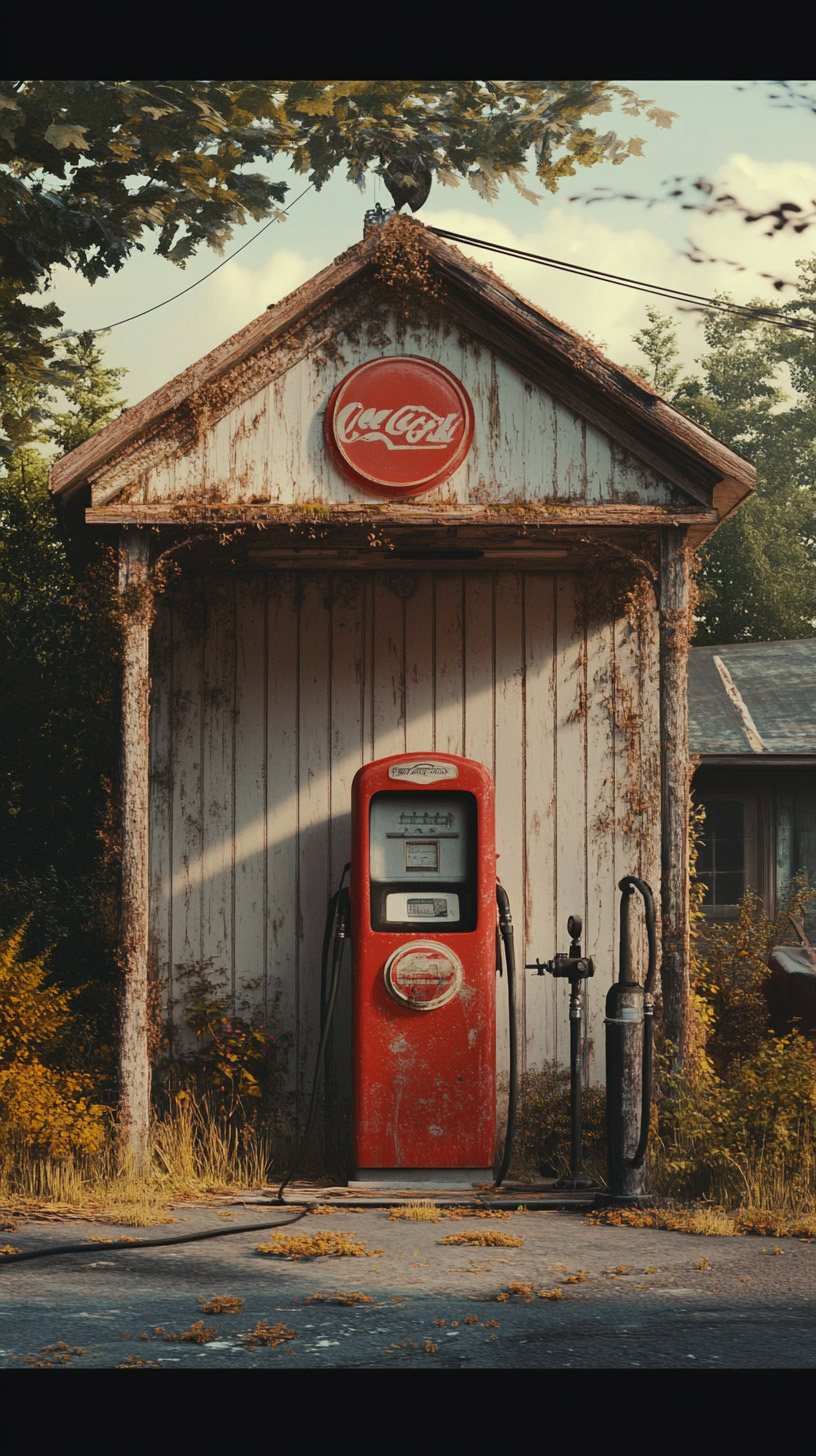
[(408, 179)]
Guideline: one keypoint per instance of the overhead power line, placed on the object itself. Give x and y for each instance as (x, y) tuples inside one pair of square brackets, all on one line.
[(660, 290), (70, 333), (676, 295)]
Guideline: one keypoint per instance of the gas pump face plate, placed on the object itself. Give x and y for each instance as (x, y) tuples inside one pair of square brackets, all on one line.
[(423, 975)]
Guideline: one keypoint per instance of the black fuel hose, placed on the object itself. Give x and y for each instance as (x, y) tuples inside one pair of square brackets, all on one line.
[(506, 927), (645, 891), (136, 1244), (638, 1159), (338, 909)]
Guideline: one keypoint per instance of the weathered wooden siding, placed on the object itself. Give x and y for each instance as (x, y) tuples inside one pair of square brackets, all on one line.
[(268, 446), (271, 689)]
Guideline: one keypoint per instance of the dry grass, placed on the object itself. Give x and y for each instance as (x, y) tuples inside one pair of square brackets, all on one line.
[(221, 1304), (712, 1222), (527, 1292), (423, 1210), (267, 1336), (483, 1240), (316, 1246), (192, 1156), (198, 1334)]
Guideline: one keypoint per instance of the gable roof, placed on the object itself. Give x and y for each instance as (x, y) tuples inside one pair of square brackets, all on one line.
[(753, 699), (546, 351)]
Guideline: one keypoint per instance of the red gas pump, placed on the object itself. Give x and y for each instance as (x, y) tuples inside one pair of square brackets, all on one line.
[(423, 933)]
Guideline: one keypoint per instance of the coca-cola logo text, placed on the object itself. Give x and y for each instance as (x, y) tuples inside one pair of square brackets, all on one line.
[(409, 427)]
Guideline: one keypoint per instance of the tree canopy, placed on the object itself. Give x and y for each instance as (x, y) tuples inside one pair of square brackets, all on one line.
[(88, 169), (757, 573), (59, 657)]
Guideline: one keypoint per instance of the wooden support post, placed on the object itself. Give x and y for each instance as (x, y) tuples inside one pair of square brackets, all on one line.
[(674, 782), (134, 1065)]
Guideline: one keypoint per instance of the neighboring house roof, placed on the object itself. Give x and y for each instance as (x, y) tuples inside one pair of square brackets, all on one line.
[(538, 345), (753, 701)]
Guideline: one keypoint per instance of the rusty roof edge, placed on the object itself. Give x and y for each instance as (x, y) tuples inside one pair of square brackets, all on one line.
[(634, 395), (70, 473)]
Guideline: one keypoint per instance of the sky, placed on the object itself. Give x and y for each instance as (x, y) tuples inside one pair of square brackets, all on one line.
[(730, 132)]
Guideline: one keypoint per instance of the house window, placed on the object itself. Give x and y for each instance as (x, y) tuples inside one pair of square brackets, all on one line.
[(726, 860)]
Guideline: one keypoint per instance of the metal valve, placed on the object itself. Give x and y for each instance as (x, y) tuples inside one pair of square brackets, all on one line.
[(574, 966)]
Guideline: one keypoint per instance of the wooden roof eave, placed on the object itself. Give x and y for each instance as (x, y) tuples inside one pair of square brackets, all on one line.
[(552, 517)]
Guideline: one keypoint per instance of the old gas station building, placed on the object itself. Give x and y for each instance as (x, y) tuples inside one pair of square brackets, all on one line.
[(492, 564)]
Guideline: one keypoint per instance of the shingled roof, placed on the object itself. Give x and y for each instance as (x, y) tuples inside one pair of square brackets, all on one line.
[(753, 700)]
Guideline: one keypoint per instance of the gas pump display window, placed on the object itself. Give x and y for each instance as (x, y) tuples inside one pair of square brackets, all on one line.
[(422, 860), (422, 854)]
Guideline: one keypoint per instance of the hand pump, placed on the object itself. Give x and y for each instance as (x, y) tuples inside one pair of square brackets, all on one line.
[(629, 1042)]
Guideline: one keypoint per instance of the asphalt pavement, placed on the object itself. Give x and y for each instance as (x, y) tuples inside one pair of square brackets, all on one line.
[(571, 1294)]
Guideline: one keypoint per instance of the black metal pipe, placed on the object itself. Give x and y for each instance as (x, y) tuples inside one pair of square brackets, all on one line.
[(646, 1083), (576, 1148)]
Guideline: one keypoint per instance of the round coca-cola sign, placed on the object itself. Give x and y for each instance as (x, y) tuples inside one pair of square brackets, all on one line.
[(399, 426)]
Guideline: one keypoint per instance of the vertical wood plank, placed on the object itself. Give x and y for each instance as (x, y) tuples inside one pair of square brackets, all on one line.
[(350, 748), (449, 630), (629, 796), (571, 476), (419, 666), (249, 799), (189, 617), (510, 778), (314, 888), (571, 664), (282, 760), (368, 624), (388, 681), (538, 928), (478, 741), (600, 924), (246, 464), (598, 466), (218, 742)]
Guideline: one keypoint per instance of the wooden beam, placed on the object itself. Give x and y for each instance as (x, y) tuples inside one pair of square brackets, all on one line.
[(135, 586), (196, 515), (675, 771)]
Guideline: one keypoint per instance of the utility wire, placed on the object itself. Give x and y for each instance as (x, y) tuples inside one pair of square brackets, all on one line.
[(72, 332), (677, 295)]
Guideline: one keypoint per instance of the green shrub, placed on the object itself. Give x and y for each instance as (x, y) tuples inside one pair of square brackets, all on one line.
[(542, 1142), (237, 1066), (738, 1123)]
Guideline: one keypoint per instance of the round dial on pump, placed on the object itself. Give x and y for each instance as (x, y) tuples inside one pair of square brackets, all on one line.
[(423, 975)]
